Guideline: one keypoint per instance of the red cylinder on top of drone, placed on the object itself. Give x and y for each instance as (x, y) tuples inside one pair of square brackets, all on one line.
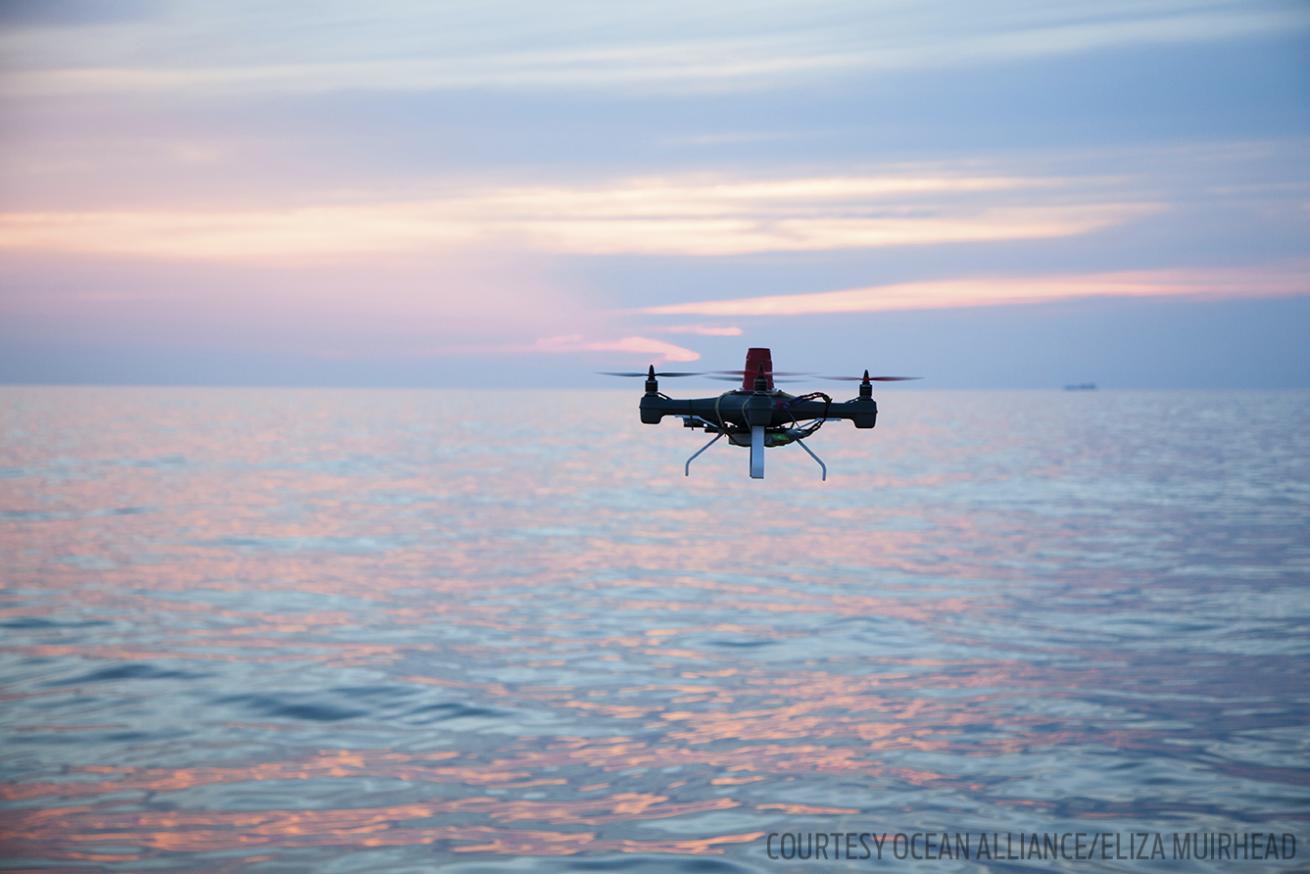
[(757, 357)]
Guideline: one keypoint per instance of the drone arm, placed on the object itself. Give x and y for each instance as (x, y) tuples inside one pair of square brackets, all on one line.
[(862, 411), (655, 407)]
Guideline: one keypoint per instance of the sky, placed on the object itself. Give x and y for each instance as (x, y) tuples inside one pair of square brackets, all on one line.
[(999, 194)]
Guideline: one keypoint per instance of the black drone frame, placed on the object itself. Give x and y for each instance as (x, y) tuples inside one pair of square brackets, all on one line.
[(762, 418)]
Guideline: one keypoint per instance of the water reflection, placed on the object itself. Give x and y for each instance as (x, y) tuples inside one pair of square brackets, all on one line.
[(243, 627)]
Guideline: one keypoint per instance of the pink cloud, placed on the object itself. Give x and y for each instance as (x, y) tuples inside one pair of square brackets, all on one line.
[(661, 350), (999, 290), (693, 216), (703, 330)]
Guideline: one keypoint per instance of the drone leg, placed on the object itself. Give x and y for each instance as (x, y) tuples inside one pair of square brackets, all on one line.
[(823, 467), (686, 470), (757, 452)]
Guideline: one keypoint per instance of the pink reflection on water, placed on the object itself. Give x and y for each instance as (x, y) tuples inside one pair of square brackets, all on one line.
[(141, 834), (529, 654)]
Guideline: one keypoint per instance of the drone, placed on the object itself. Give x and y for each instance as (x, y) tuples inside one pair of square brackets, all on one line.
[(757, 414)]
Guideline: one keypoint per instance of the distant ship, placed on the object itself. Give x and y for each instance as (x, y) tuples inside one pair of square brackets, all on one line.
[(1080, 386)]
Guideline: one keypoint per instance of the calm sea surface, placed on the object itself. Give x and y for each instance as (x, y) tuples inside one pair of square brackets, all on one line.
[(333, 631)]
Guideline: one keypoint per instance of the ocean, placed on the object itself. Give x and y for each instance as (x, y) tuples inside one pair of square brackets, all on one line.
[(394, 630)]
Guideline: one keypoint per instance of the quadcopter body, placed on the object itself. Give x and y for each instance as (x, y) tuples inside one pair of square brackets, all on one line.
[(758, 415)]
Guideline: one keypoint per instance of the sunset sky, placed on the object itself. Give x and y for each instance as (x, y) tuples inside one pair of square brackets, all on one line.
[(1010, 194)]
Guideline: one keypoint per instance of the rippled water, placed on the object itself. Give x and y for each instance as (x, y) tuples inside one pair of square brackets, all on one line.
[(356, 631)]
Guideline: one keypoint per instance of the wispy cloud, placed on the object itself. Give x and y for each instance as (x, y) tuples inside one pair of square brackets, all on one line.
[(660, 350), (703, 215), (703, 330), (998, 290), (628, 50)]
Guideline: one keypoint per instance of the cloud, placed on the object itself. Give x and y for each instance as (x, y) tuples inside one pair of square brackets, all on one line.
[(262, 49), (701, 215), (662, 351), (703, 330), (998, 290)]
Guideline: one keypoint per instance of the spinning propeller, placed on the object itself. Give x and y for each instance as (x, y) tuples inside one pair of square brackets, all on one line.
[(766, 371), (870, 378), (652, 372), (729, 375), (736, 375)]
